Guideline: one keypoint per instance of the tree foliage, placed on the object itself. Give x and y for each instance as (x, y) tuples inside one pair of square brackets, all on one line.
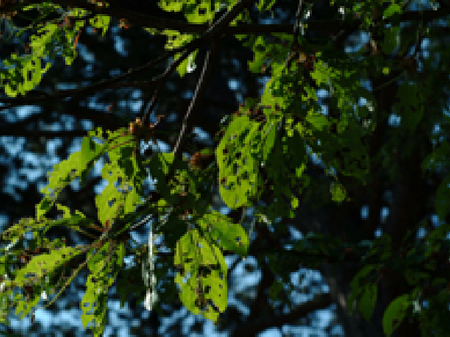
[(263, 159)]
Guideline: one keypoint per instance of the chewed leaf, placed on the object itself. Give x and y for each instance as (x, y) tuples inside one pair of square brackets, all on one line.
[(75, 166), (202, 276), (237, 168), (245, 147), (109, 203), (42, 264), (125, 175), (101, 22), (227, 235), (94, 302)]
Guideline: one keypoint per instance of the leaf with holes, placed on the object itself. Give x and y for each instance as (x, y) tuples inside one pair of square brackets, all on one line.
[(202, 275), (43, 264), (227, 235), (238, 172)]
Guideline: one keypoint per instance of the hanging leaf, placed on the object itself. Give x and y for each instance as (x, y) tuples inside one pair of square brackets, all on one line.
[(202, 275), (368, 300), (395, 314)]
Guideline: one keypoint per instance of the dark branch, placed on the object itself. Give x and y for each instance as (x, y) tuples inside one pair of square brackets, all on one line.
[(151, 21), (36, 97), (209, 32)]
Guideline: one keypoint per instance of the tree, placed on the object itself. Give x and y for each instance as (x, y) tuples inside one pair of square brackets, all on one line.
[(346, 144)]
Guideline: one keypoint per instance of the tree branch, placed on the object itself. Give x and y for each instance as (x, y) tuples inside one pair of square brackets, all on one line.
[(209, 32), (36, 97), (151, 21)]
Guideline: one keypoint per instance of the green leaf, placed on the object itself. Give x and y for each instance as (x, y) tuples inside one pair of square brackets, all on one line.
[(259, 49), (125, 175), (26, 305), (90, 150), (120, 252), (43, 207), (285, 181), (442, 202), (97, 259), (270, 132), (43, 264), (201, 13), (226, 235), (264, 5), (171, 6), (176, 39), (368, 300), (391, 10), (238, 172), (159, 165), (188, 64), (438, 158), (77, 165), (202, 275), (109, 203), (94, 303), (358, 284), (9, 90), (323, 73), (338, 193), (101, 21), (395, 313), (128, 284), (410, 105), (318, 121), (65, 210), (391, 40), (275, 289)]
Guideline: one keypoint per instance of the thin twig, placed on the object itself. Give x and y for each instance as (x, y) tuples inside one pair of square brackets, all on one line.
[(296, 30), (188, 118), (193, 106)]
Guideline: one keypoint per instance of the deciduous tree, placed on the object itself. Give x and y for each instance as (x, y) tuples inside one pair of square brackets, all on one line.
[(339, 163)]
